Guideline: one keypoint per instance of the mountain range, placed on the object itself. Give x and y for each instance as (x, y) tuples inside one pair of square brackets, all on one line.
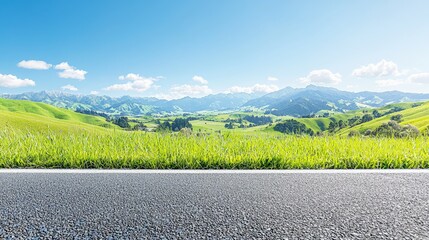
[(287, 101)]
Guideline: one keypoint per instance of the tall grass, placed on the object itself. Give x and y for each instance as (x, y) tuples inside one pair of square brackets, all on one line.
[(118, 149)]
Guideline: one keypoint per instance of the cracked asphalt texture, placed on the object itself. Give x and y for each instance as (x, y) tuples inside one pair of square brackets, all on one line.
[(214, 206)]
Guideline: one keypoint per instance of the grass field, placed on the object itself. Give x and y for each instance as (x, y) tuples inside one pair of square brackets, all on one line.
[(119, 149), (37, 135), (42, 117)]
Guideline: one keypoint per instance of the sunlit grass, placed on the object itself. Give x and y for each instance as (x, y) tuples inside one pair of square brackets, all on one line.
[(119, 149)]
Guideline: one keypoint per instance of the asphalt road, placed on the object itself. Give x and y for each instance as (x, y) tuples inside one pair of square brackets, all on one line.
[(287, 205)]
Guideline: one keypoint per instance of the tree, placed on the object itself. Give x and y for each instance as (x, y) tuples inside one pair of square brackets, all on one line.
[(258, 120), (396, 118), (366, 118), (292, 126), (165, 126), (139, 127), (393, 110), (342, 124), (353, 121), (122, 122), (376, 113), (180, 123), (229, 125), (332, 126)]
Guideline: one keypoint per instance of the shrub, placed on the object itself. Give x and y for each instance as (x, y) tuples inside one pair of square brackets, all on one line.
[(354, 133), (367, 132), (185, 132), (393, 129)]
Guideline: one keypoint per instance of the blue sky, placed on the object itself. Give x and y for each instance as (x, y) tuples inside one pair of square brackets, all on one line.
[(172, 49)]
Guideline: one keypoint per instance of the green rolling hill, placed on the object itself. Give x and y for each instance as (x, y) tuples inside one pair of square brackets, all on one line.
[(21, 114), (417, 116)]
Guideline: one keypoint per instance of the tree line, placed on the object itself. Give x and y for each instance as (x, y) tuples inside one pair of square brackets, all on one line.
[(177, 125)]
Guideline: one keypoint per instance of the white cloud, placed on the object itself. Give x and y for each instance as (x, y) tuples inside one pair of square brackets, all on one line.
[(200, 79), (422, 78), (323, 77), (252, 89), (138, 86), (131, 77), (135, 83), (271, 78), (70, 71), (11, 81), (186, 90), (34, 64), (190, 90), (389, 82), (63, 66), (69, 87), (380, 69), (137, 77), (94, 92)]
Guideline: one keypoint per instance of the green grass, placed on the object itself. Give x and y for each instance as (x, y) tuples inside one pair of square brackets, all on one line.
[(119, 149), (34, 116), (214, 126), (41, 136)]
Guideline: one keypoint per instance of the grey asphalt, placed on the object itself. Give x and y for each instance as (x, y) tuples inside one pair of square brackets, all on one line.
[(214, 205)]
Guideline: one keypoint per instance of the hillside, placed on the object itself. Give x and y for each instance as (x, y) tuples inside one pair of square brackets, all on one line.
[(21, 114), (413, 113), (416, 116)]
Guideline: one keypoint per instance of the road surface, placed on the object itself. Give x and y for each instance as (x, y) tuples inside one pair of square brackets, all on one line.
[(212, 205)]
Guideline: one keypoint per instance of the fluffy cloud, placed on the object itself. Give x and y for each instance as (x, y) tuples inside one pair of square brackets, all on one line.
[(190, 90), (69, 87), (422, 78), (380, 69), (131, 77), (323, 77), (200, 79), (94, 92), (11, 81), (135, 83), (34, 64), (68, 71), (186, 90), (252, 89), (271, 78), (138, 86), (388, 83)]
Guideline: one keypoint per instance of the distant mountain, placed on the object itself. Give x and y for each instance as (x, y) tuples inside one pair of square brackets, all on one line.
[(215, 102), (305, 101), (127, 105), (286, 101)]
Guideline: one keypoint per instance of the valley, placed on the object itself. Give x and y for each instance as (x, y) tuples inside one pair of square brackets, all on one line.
[(39, 135)]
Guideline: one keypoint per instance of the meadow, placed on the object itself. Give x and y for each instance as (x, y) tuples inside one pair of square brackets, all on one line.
[(119, 149), (37, 135)]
